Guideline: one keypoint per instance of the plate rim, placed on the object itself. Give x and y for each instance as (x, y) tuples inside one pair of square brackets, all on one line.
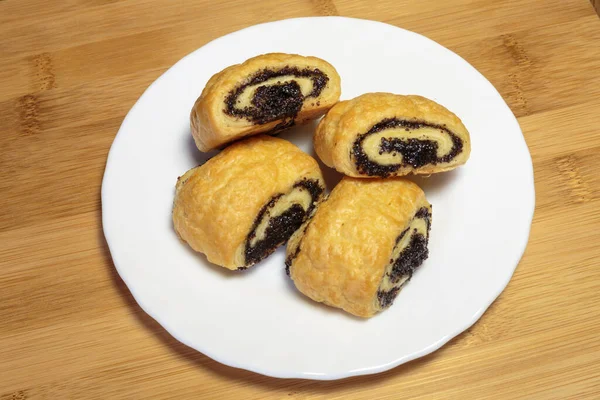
[(306, 375)]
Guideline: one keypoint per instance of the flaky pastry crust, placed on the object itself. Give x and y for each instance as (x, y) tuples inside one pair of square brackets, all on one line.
[(339, 256), (216, 204)]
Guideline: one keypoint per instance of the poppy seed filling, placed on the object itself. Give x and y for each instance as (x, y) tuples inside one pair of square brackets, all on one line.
[(386, 299), (280, 227), (411, 257), (415, 152), (282, 100), (408, 260), (279, 230)]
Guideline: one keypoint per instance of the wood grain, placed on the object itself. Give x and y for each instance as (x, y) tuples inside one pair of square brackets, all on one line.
[(71, 69)]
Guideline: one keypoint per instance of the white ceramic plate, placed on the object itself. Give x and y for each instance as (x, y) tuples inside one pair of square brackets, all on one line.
[(256, 320)]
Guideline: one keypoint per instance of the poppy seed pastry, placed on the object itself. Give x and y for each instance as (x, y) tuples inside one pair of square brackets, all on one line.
[(242, 204), (264, 94), (384, 134), (362, 244)]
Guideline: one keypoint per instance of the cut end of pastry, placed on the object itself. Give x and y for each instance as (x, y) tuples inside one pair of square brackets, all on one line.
[(293, 245), (278, 220), (265, 94), (409, 253), (275, 94), (383, 135), (398, 146)]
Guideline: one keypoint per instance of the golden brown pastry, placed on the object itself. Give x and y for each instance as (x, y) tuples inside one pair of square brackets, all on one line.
[(384, 134), (264, 94), (242, 204), (362, 244)]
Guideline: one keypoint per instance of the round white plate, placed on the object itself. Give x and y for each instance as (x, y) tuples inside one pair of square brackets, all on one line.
[(256, 319)]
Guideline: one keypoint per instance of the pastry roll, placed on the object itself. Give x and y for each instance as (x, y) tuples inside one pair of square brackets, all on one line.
[(362, 244), (384, 134), (242, 204), (264, 94)]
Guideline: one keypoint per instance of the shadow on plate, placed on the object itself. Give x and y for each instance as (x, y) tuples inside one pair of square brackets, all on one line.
[(211, 367), (313, 304), (303, 135), (436, 182), (199, 157), (224, 272), (299, 134), (331, 176)]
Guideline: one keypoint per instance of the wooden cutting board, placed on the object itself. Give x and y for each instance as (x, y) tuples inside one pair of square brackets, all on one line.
[(69, 328)]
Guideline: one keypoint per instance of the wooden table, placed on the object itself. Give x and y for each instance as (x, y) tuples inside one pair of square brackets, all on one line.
[(69, 328)]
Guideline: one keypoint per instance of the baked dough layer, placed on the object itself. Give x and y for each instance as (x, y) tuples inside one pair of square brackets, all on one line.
[(384, 134), (247, 200), (345, 255), (264, 94)]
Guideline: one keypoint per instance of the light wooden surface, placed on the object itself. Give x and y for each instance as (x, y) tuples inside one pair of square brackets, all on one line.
[(71, 69)]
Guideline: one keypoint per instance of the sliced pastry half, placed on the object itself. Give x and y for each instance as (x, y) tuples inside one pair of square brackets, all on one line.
[(384, 134), (266, 93)]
